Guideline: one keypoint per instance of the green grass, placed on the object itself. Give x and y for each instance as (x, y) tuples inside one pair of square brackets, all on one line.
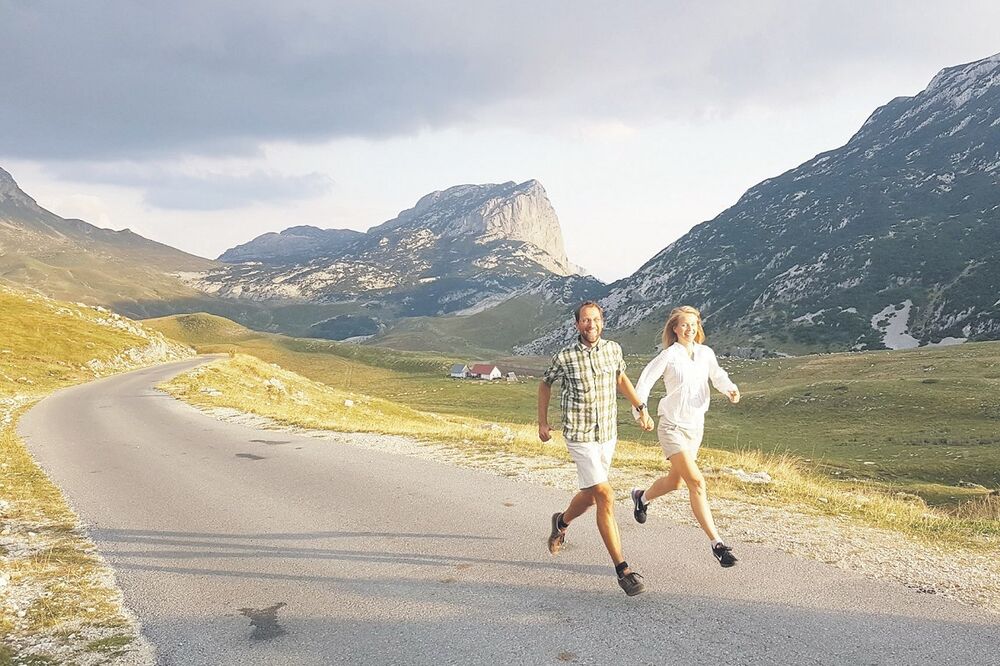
[(925, 420), (515, 321), (111, 644)]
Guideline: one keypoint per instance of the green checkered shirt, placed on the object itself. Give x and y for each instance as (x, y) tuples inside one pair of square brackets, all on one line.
[(589, 389)]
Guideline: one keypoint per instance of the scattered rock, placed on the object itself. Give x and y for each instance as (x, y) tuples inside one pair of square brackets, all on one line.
[(761, 477)]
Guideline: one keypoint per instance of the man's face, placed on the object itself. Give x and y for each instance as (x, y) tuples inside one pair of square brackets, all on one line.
[(590, 324)]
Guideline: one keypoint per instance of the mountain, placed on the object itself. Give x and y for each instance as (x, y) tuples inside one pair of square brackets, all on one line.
[(293, 245), (74, 260), (892, 240), (454, 249)]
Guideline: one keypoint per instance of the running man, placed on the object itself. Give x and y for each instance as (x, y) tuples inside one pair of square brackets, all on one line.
[(591, 370)]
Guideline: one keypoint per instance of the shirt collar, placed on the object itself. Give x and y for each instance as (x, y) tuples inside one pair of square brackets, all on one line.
[(595, 347)]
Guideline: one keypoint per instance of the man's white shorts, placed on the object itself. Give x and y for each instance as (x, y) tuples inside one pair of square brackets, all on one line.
[(593, 460)]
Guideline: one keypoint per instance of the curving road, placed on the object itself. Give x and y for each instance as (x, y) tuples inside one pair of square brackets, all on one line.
[(238, 546)]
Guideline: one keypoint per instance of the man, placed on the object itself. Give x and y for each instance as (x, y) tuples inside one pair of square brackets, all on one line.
[(591, 369)]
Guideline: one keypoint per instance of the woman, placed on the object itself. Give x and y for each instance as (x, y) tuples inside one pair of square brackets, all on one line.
[(686, 366)]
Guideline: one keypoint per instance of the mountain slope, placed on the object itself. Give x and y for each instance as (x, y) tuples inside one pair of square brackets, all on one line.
[(74, 260), (495, 327), (892, 240)]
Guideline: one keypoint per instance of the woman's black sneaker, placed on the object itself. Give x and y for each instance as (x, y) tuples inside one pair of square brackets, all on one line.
[(632, 583), (640, 509), (724, 554)]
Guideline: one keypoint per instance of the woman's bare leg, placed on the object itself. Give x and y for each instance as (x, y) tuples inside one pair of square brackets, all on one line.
[(688, 470), (665, 484)]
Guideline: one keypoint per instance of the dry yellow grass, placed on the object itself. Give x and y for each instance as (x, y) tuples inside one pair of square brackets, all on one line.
[(250, 385), (59, 600)]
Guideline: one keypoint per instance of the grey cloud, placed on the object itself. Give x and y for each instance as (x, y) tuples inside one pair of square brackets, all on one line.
[(219, 192), (173, 190), (119, 79)]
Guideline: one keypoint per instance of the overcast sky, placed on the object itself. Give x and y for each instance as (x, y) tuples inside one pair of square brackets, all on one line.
[(204, 124)]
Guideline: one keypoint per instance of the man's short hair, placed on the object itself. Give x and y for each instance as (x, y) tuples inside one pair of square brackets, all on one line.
[(587, 304)]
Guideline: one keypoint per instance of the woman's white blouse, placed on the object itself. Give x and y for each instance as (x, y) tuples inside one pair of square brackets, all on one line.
[(686, 380)]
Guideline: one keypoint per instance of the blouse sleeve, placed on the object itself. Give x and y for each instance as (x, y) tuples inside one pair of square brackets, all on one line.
[(652, 372), (720, 378)]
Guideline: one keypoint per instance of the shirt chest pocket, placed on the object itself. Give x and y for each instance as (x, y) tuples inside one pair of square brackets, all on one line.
[(601, 373), (576, 379)]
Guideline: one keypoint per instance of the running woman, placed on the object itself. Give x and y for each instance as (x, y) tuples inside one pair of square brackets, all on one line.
[(686, 366)]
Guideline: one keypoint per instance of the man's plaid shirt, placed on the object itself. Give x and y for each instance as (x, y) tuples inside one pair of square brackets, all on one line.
[(589, 378)]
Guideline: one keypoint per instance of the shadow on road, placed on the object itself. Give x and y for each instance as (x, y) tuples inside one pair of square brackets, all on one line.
[(185, 547)]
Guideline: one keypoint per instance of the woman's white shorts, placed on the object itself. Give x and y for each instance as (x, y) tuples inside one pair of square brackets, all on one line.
[(593, 460), (675, 439)]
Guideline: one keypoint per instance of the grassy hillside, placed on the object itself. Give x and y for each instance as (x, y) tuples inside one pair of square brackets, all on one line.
[(926, 419), (493, 331), (60, 603), (418, 380)]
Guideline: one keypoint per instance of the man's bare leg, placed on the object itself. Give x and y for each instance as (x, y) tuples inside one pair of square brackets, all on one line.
[(604, 497), (578, 506)]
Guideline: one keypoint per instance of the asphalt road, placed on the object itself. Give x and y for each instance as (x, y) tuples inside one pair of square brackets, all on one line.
[(239, 546)]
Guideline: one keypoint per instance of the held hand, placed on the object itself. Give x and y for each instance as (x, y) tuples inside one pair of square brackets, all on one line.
[(646, 422), (734, 396), (544, 432)]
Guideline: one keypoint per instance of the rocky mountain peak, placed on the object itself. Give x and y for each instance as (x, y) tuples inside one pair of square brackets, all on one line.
[(483, 214), (10, 192), (962, 82)]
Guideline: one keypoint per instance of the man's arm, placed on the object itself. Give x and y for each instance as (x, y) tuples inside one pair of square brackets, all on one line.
[(626, 389), (544, 395)]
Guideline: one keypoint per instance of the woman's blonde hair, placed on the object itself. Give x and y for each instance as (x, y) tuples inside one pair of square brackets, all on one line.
[(669, 337)]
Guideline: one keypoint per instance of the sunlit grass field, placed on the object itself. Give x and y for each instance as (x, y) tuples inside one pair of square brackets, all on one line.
[(54, 588)]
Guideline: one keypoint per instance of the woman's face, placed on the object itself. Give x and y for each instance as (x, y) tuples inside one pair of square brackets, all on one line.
[(686, 328)]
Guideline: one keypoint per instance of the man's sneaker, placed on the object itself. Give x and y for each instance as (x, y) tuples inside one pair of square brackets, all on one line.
[(640, 509), (558, 536), (632, 583), (724, 554)]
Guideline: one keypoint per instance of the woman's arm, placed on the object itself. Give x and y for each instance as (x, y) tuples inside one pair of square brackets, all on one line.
[(720, 379), (650, 374)]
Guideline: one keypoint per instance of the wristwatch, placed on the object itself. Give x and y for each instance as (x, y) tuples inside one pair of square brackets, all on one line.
[(640, 407)]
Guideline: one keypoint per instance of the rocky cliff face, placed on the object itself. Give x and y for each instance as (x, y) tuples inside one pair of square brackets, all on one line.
[(485, 214), (892, 240), (453, 249)]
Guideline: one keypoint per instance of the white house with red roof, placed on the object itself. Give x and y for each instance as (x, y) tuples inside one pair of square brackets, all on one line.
[(485, 371)]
